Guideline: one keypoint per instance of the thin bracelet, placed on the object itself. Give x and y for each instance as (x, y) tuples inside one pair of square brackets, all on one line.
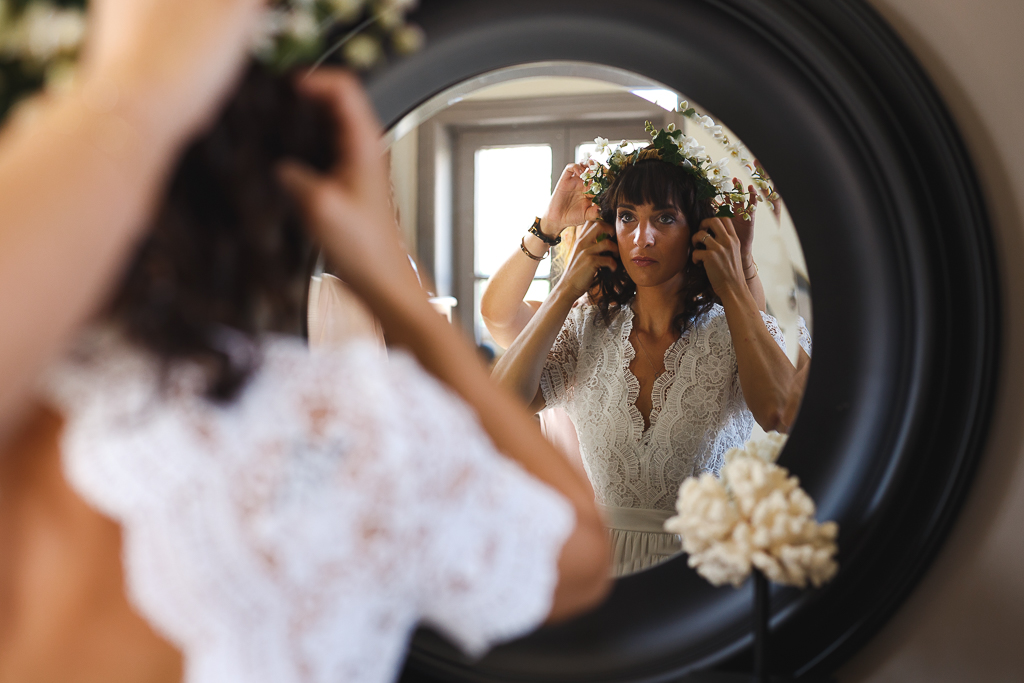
[(535, 231), (522, 245), (756, 271)]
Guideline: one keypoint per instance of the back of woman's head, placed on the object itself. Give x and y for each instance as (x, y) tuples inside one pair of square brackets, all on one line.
[(227, 256), (655, 182)]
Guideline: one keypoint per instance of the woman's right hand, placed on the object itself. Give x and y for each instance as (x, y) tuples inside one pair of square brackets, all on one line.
[(595, 248), (568, 204), (174, 59)]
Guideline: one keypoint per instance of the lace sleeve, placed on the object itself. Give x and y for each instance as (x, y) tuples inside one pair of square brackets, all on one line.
[(488, 560), (559, 374), (772, 324), (773, 329), (804, 338), (300, 532)]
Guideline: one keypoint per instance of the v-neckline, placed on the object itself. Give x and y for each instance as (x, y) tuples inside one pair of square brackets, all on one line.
[(633, 383)]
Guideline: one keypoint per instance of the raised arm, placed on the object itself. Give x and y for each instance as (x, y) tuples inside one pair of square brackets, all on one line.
[(79, 177), (520, 368), (502, 307), (745, 232), (348, 211), (766, 375)]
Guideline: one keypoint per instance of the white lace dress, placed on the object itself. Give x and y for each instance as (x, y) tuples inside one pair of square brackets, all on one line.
[(698, 414), (301, 532)]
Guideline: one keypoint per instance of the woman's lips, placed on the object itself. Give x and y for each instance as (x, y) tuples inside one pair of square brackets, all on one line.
[(643, 262)]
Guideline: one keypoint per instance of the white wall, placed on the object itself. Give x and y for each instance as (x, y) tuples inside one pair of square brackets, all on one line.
[(965, 622)]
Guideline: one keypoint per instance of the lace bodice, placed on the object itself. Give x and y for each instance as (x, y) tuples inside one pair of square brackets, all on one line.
[(698, 409), (301, 532)]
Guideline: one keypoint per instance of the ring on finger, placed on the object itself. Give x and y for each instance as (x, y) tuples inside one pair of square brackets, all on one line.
[(703, 241)]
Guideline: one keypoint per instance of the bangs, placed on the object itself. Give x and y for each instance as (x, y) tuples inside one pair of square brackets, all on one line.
[(652, 181)]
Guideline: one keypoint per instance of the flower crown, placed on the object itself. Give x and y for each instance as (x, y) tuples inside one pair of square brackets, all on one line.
[(714, 181), (40, 39)]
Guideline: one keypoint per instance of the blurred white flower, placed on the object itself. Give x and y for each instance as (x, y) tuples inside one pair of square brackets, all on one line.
[(301, 25), (601, 144), (362, 51), (706, 121), (408, 39), (755, 516), (42, 32)]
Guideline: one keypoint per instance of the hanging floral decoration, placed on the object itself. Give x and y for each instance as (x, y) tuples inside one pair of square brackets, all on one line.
[(756, 515), (714, 180), (40, 39)]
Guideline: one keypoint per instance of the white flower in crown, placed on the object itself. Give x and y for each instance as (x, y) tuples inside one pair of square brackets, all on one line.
[(601, 145), (725, 188), (706, 121), (719, 173), (755, 516), (691, 147)]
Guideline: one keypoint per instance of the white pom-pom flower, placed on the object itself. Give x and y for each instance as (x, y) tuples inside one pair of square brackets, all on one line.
[(755, 516)]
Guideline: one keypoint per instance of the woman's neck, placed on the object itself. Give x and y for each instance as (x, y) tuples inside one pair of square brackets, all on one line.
[(655, 308)]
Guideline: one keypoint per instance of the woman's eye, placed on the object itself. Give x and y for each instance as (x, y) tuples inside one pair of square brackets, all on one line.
[(667, 218), (626, 218)]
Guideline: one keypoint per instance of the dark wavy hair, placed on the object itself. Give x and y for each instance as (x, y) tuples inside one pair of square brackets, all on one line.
[(227, 256), (653, 181)]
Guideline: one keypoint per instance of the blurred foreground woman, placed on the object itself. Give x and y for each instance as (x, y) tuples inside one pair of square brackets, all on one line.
[(192, 495)]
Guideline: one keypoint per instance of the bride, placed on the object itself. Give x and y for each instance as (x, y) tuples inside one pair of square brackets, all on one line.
[(668, 361), (194, 496)]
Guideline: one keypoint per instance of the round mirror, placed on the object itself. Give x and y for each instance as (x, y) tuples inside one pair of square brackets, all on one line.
[(893, 233)]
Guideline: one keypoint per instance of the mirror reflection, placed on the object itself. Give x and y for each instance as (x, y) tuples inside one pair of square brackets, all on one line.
[(656, 335)]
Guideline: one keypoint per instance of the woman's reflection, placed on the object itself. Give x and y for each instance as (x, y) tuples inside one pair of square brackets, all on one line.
[(654, 341)]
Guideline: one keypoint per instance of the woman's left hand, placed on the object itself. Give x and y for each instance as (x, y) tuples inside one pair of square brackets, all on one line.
[(720, 254)]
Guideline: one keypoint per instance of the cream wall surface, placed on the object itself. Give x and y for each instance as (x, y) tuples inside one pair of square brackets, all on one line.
[(965, 621)]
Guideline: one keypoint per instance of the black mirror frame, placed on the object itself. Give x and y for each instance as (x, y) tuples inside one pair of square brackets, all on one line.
[(905, 290)]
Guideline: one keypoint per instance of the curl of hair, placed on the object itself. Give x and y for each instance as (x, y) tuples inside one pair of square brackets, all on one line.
[(653, 181), (227, 256)]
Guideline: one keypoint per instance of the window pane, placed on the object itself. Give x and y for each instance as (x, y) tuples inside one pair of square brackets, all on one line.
[(666, 99), (538, 291), (513, 185)]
